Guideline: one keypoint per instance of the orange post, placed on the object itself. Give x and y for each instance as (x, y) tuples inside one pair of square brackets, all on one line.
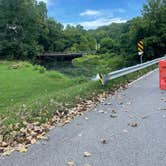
[(162, 71)]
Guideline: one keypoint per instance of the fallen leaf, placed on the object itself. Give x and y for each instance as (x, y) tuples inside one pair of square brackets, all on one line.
[(1, 138), (23, 130), (33, 141), (36, 123), (101, 111), (67, 121), (22, 149), (133, 124), (30, 126), (4, 144), (7, 152), (41, 136), (113, 111), (70, 163), (113, 115), (86, 118), (25, 123), (87, 154), (38, 129), (104, 141)]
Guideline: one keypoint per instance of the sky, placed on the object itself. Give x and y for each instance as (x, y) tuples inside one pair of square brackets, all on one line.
[(93, 13)]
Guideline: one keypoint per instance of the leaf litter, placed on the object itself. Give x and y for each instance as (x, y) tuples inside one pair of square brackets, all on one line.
[(21, 138)]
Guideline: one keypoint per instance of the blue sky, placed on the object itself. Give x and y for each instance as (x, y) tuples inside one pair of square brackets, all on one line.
[(93, 13)]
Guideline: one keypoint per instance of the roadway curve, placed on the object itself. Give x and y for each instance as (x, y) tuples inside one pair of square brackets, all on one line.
[(145, 145)]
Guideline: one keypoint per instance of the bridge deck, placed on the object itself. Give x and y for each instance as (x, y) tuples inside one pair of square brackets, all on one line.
[(61, 55)]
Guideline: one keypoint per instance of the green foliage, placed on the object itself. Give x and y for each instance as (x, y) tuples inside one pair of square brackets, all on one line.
[(122, 38), (26, 31), (39, 68), (155, 21), (79, 40), (100, 63), (20, 20)]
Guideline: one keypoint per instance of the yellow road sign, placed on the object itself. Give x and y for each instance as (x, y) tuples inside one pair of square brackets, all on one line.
[(140, 45), (101, 79)]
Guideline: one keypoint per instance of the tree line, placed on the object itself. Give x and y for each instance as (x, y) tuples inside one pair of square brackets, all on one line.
[(122, 38), (26, 31)]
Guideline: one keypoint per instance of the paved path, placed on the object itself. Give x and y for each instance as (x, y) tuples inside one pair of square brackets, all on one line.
[(144, 145)]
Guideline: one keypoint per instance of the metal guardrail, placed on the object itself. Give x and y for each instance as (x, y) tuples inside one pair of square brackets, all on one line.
[(110, 76)]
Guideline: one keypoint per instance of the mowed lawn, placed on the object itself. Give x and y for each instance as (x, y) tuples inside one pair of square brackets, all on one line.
[(22, 84)]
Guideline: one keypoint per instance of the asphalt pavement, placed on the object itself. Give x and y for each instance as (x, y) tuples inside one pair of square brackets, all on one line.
[(127, 129)]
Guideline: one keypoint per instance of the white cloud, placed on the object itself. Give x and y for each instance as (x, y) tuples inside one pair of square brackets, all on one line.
[(90, 13), (98, 22), (96, 18), (101, 22), (103, 12)]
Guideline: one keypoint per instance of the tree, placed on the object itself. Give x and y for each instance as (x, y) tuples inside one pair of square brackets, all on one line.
[(155, 18), (19, 29), (78, 39)]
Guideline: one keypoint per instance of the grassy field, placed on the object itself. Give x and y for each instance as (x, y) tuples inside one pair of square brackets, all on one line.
[(31, 93), (24, 85)]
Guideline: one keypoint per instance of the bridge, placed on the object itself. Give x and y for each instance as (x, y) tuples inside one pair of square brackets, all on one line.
[(59, 56)]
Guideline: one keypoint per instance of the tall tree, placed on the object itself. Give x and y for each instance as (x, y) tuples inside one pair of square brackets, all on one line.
[(19, 28), (154, 13)]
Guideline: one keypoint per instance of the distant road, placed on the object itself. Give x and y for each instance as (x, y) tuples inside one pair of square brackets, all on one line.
[(142, 105)]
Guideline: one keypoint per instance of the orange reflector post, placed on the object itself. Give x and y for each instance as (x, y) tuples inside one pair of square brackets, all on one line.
[(162, 70)]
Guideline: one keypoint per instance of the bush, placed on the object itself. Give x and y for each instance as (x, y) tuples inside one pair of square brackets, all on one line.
[(39, 68), (103, 63), (55, 75)]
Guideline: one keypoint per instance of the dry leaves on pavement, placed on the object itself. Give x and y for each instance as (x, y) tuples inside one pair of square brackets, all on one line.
[(104, 141), (31, 132), (133, 124), (87, 154), (70, 163)]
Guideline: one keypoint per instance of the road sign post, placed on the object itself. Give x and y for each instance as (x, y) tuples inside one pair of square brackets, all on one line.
[(140, 45)]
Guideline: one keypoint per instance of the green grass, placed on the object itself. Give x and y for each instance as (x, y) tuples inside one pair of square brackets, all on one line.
[(30, 93), (26, 85)]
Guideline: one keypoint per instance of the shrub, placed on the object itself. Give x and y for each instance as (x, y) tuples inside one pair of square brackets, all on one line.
[(39, 68)]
